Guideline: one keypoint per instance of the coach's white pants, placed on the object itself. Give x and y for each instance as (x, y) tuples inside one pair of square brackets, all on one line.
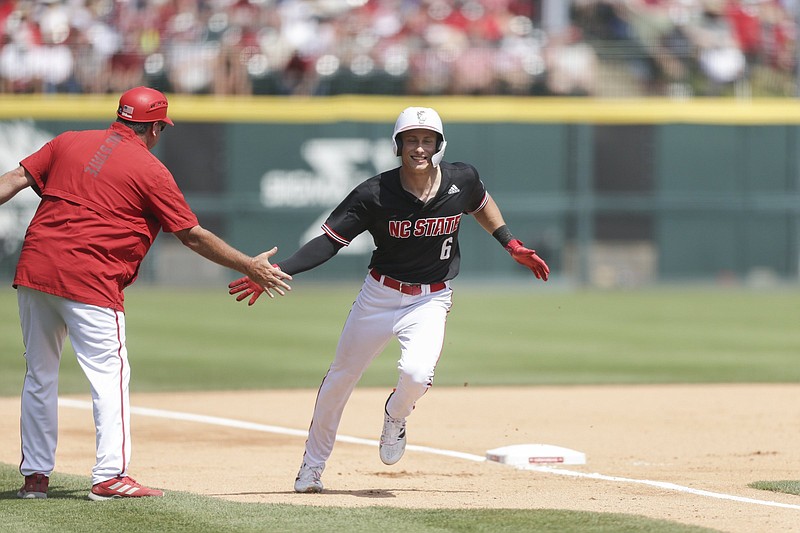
[(97, 335), (378, 314)]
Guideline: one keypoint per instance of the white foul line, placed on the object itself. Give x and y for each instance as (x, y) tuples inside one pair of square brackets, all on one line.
[(239, 424), (662, 485)]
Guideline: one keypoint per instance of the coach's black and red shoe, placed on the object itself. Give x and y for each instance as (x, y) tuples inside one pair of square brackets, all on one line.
[(121, 487), (35, 487)]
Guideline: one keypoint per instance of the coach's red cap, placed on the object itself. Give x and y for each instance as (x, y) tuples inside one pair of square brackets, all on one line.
[(143, 104)]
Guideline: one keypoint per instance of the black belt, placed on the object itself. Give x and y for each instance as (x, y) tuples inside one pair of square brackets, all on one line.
[(413, 289)]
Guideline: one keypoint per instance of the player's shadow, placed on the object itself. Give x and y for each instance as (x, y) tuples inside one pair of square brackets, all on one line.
[(377, 494)]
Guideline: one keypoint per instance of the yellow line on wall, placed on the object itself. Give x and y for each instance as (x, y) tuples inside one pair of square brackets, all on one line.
[(276, 109)]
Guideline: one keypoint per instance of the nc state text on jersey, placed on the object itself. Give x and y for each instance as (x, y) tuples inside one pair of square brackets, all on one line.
[(424, 227), (95, 165)]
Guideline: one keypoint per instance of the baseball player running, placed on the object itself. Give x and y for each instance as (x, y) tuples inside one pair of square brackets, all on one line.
[(413, 213), (104, 198)]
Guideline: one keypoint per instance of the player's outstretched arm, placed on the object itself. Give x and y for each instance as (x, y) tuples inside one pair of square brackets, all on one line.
[(310, 255), (492, 221), (12, 182), (259, 268)]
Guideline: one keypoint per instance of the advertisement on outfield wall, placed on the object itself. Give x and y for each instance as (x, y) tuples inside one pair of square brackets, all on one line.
[(611, 205)]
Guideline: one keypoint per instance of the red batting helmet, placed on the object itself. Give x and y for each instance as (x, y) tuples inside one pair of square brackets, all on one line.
[(143, 104)]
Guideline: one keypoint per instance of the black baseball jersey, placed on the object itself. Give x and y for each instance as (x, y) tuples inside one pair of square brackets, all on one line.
[(415, 242)]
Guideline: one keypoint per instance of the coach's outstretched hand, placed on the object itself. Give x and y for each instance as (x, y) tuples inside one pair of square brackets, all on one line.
[(262, 272), (528, 258)]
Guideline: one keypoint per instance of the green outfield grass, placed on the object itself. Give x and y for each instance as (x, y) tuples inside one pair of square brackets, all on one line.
[(204, 339)]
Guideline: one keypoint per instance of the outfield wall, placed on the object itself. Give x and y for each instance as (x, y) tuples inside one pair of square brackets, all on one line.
[(612, 193)]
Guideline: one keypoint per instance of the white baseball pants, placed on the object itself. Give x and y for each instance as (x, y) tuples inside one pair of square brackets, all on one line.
[(378, 314), (97, 335)]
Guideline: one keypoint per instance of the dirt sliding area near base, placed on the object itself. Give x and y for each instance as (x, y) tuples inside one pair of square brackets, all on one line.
[(675, 452)]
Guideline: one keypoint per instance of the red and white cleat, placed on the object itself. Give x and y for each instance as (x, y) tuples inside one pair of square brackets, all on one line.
[(121, 487)]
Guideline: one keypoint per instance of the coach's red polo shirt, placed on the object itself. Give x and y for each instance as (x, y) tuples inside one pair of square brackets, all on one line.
[(104, 199)]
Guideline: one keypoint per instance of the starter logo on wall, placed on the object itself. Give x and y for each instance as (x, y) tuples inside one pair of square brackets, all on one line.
[(18, 139), (337, 166)]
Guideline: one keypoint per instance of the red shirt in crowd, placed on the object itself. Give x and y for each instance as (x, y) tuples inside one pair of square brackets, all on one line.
[(104, 199)]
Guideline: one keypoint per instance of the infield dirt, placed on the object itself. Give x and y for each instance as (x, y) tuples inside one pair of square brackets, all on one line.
[(714, 438)]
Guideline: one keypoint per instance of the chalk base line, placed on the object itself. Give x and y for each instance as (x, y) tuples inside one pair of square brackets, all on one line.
[(252, 426)]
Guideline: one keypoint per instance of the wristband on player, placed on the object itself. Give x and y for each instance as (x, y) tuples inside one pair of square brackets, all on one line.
[(503, 235)]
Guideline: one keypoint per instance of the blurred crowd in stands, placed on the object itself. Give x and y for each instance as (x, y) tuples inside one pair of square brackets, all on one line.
[(679, 48)]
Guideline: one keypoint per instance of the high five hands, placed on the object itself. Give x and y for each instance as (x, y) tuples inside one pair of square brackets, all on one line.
[(262, 277)]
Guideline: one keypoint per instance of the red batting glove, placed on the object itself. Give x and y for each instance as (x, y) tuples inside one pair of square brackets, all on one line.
[(245, 287), (528, 258)]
